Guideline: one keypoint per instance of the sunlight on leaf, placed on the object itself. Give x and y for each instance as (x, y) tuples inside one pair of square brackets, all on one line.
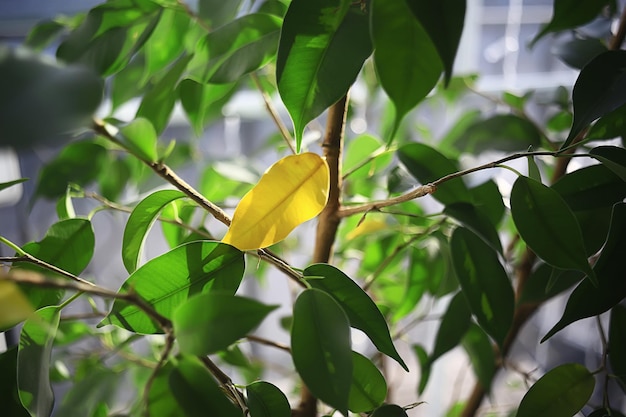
[(292, 191)]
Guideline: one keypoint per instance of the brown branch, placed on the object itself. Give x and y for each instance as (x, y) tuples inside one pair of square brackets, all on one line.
[(267, 342), (28, 258)]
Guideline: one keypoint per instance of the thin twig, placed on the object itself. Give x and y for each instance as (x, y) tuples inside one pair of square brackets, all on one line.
[(28, 258), (267, 342), (226, 383)]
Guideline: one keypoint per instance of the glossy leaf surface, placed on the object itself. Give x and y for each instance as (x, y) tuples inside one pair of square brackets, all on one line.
[(358, 306), (320, 347), (292, 191), (208, 323), (484, 282), (368, 389), (562, 392), (266, 400), (167, 281)]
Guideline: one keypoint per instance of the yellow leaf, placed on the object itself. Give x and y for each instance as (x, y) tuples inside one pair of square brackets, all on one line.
[(14, 306), (366, 227), (292, 191)]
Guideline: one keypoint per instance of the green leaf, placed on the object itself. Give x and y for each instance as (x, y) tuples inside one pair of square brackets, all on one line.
[(422, 266), (533, 169), (78, 163), (140, 138), (197, 393), (5, 185), (218, 12), (577, 52), (158, 102), (427, 165), (167, 281), (203, 101), (609, 126), (475, 220), (207, 323), (139, 222), (562, 392), (369, 388), (591, 187), (160, 401), (359, 307), (266, 400), (568, 14), (43, 33), (320, 346), (454, 324), (167, 40), (236, 49), (480, 351), (536, 289), (548, 226), (425, 367), (484, 282), (389, 410), (407, 63), (613, 157), (98, 385), (9, 398), (443, 21), (488, 199), (323, 45), (588, 300), (33, 361), (599, 89), (505, 132), (42, 100), (617, 343), (128, 82)]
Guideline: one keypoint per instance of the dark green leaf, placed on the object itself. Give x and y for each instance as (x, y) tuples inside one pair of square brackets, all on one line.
[(43, 33), (427, 165), (42, 100), (568, 14), (320, 346), (33, 361), (548, 226), (369, 388), (588, 300), (9, 398), (207, 323), (406, 60), (323, 45), (443, 21), (613, 157), (196, 391), (481, 354), (536, 289), (562, 392), (617, 343), (484, 282), (128, 83), (591, 187), (389, 410), (533, 169), (235, 49), (218, 12), (488, 199), (359, 307), (609, 126), (506, 133), (5, 185), (599, 89), (421, 268), (454, 324), (266, 400), (475, 220), (203, 101), (166, 41), (139, 222), (577, 52), (425, 367), (167, 281)]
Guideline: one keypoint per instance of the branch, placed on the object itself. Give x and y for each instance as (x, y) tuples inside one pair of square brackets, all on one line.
[(266, 342)]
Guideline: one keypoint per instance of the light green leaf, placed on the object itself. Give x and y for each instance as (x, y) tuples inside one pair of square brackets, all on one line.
[(167, 281), (160, 401), (454, 324), (407, 63), (33, 361), (140, 138), (266, 400), (359, 307), (562, 392), (613, 157), (139, 222), (484, 282), (548, 226), (166, 41), (320, 346), (207, 323), (369, 388), (323, 45), (617, 343)]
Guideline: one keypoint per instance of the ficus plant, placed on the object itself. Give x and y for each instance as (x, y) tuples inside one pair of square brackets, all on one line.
[(400, 225)]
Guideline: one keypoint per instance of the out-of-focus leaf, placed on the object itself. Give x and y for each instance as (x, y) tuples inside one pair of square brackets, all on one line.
[(599, 89), (443, 21), (427, 164), (207, 323), (617, 343), (43, 33), (369, 388), (320, 346), (14, 305), (588, 300), (167, 281), (97, 386), (128, 82), (613, 157), (11, 404), (577, 52), (359, 307), (602, 412), (484, 282), (323, 45), (201, 102), (141, 139), (389, 410), (166, 41), (591, 187), (33, 361), (425, 367), (218, 12), (536, 289), (475, 220), (292, 191), (562, 392), (407, 63), (421, 269), (139, 222), (505, 132), (266, 400), (480, 351), (160, 401), (5, 185), (42, 100), (454, 324), (548, 226)]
